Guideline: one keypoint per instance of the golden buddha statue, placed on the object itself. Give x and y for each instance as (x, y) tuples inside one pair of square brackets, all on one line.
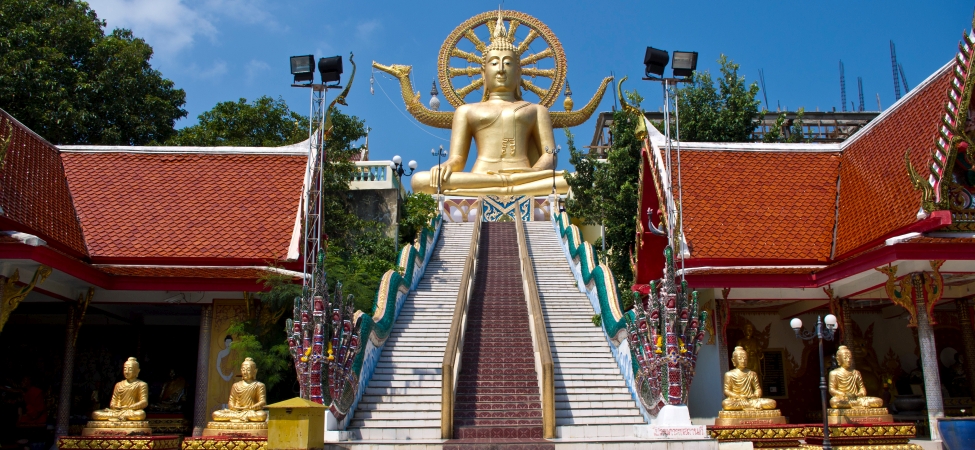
[(245, 408), (743, 403), (514, 138), (849, 402), (754, 349), (125, 410)]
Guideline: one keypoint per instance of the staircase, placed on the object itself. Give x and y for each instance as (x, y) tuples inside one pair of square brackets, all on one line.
[(497, 392), (402, 400), (591, 398)]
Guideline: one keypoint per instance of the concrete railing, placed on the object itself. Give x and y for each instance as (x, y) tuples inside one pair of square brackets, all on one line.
[(455, 340), (373, 175), (544, 366)]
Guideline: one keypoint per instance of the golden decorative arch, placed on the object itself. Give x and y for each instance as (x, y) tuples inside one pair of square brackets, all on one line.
[(456, 91)]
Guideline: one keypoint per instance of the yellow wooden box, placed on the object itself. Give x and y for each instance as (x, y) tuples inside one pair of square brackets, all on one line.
[(296, 424)]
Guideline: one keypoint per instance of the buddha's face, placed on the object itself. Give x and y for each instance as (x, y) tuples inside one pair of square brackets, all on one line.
[(501, 71), (130, 370), (248, 371), (749, 330), (740, 359), (844, 358)]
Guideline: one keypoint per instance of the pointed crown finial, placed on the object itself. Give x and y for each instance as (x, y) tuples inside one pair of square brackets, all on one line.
[(500, 40)]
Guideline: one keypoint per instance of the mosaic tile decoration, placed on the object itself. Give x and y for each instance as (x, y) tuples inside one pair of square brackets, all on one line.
[(494, 208)]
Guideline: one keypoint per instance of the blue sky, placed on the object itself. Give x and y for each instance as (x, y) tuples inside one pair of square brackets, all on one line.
[(219, 50)]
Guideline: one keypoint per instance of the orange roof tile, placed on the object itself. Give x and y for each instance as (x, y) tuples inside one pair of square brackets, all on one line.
[(165, 205), (758, 205), (34, 193), (876, 196)]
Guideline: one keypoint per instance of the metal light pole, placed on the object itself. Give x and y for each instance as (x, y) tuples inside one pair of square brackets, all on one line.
[(820, 333), (440, 154), (555, 154), (397, 166)]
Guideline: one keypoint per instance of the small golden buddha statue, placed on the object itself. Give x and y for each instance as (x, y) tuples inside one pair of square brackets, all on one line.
[(245, 408), (125, 410), (743, 403), (849, 402), (511, 135)]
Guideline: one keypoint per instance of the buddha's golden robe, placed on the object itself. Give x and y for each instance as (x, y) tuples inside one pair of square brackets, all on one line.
[(743, 392), (847, 391), (246, 404), (128, 401)]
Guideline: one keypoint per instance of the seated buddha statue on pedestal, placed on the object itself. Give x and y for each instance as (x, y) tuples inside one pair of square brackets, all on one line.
[(511, 136), (125, 414), (849, 402), (245, 412), (743, 403)]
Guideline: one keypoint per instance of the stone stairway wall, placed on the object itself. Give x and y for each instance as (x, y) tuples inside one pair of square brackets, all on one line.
[(591, 397), (402, 400), (497, 392)]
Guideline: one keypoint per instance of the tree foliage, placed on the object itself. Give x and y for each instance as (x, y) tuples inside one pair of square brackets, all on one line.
[(727, 112), (264, 123), (795, 131), (64, 78), (358, 253), (418, 210), (608, 193)]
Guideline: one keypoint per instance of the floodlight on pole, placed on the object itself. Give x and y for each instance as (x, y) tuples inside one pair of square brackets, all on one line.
[(303, 68), (655, 60), (330, 68), (685, 63)]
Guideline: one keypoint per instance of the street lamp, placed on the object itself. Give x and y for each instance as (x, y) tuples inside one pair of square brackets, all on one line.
[(398, 170), (555, 155), (820, 333), (440, 154)]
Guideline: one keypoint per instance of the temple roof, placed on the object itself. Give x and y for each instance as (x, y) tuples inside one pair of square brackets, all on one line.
[(800, 208), (144, 205), (34, 194)]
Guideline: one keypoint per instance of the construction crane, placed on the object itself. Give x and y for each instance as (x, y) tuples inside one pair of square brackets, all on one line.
[(842, 87), (860, 91), (893, 65)]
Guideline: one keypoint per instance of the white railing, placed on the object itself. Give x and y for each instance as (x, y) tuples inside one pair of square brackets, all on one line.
[(373, 175)]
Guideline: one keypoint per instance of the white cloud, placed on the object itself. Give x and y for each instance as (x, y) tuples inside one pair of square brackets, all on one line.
[(254, 68), (170, 26), (365, 30), (218, 69), (167, 25)]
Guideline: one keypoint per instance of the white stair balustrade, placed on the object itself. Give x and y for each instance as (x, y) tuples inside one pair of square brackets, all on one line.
[(402, 400), (591, 397)]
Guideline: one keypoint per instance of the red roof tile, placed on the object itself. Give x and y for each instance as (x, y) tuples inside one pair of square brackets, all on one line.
[(34, 193), (164, 205), (758, 205), (876, 196)]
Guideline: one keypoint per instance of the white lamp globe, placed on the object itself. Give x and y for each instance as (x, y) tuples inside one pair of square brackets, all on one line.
[(830, 320), (397, 159), (796, 323), (412, 164)]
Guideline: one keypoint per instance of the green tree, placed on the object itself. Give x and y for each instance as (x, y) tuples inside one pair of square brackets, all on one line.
[(264, 123), (608, 193), (727, 112), (64, 78), (358, 255), (418, 210), (795, 134)]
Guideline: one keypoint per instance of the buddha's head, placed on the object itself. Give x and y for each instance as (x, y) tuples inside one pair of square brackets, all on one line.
[(749, 330), (739, 358), (501, 64), (844, 357), (248, 369), (130, 369)]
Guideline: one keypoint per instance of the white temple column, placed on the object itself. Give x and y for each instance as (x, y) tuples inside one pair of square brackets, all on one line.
[(719, 335), (67, 376), (202, 372), (929, 365)]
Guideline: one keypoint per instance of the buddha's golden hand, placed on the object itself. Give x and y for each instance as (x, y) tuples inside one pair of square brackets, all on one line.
[(441, 172)]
